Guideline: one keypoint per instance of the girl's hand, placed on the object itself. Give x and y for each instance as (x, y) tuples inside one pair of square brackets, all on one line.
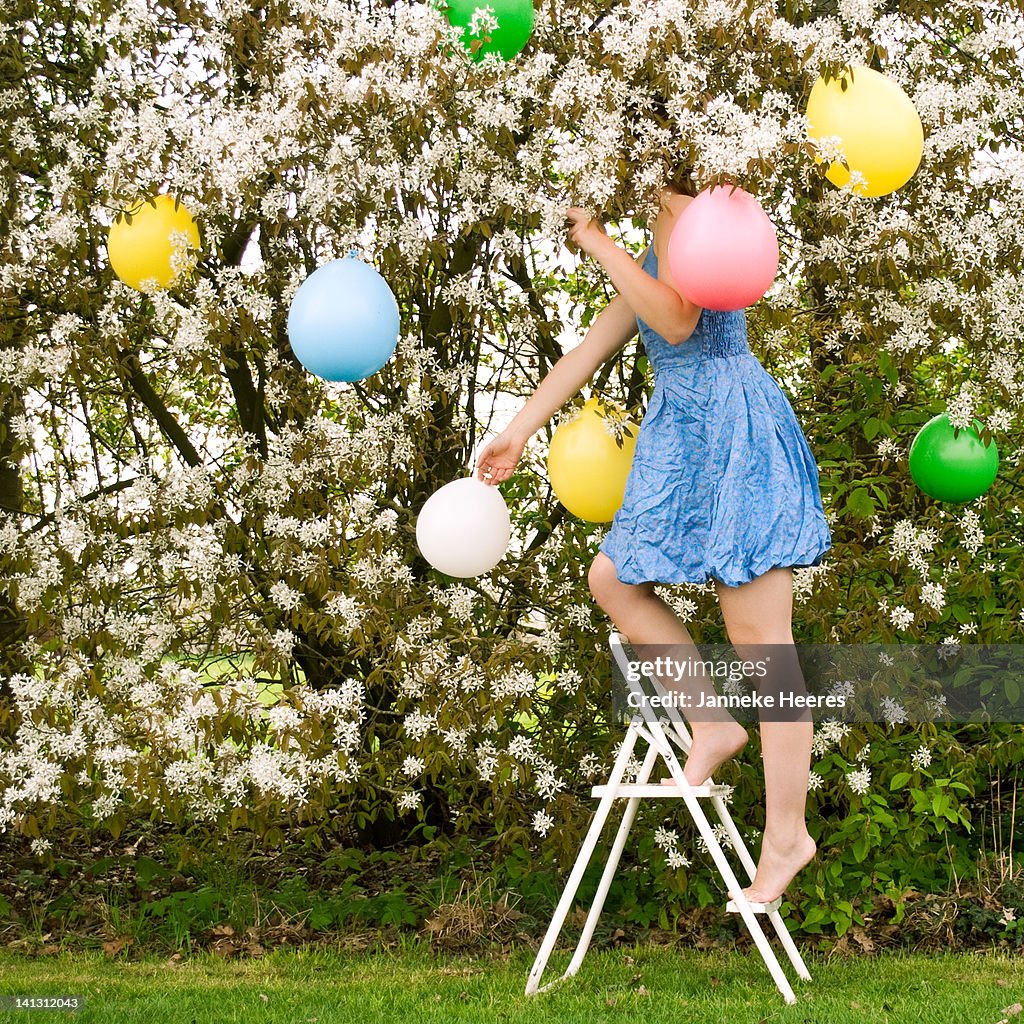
[(499, 458), (587, 232)]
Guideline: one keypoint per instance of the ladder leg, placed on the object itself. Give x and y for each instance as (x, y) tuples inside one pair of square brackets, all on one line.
[(582, 860), (789, 945), (722, 810), (763, 946), (725, 870), (675, 729), (613, 862)]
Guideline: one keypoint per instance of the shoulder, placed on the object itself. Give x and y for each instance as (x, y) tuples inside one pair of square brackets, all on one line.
[(672, 206)]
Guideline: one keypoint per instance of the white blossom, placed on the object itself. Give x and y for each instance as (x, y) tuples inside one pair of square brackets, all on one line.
[(911, 543), (921, 758), (934, 595), (284, 596), (417, 724), (829, 732), (521, 747), (859, 780), (542, 822), (665, 838), (284, 718), (676, 859), (408, 801), (324, 157), (721, 834), (460, 600), (973, 534), (892, 710), (901, 617), (283, 640), (347, 608)]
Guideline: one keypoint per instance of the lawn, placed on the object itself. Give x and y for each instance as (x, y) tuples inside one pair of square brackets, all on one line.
[(647, 983)]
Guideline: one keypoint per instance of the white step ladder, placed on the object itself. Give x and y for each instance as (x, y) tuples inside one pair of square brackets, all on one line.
[(660, 728)]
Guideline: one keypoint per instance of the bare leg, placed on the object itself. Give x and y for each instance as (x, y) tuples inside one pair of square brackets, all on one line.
[(644, 618), (786, 846), (760, 612)]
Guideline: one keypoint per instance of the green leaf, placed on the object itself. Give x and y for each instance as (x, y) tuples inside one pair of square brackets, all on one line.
[(1012, 690), (899, 780), (815, 914), (888, 367), (860, 503)]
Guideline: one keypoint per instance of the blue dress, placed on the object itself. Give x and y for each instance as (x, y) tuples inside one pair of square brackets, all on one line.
[(723, 484)]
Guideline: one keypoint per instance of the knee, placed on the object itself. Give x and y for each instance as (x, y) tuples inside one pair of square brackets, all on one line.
[(757, 635), (602, 578)]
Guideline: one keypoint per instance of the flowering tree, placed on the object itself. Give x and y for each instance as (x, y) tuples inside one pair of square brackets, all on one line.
[(188, 519)]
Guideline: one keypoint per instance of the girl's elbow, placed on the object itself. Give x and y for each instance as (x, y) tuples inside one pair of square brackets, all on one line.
[(678, 337), (683, 331)]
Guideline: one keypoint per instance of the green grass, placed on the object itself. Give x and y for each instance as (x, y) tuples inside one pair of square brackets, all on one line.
[(647, 983)]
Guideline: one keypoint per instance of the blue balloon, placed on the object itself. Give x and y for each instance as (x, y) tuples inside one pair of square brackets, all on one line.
[(343, 323)]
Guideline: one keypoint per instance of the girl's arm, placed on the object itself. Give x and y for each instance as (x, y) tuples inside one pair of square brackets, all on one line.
[(611, 329), (657, 303)]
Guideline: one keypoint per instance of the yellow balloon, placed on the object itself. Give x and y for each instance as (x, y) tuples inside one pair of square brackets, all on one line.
[(142, 251), (586, 468), (879, 127)]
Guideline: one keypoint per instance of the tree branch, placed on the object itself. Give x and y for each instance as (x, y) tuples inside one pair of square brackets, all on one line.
[(172, 429)]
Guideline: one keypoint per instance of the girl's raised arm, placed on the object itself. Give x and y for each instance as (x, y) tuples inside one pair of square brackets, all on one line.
[(611, 329), (656, 303)]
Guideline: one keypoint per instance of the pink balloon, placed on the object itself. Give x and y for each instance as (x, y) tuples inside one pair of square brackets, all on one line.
[(723, 253)]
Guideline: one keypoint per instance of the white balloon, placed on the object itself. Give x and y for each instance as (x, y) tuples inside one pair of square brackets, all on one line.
[(464, 528)]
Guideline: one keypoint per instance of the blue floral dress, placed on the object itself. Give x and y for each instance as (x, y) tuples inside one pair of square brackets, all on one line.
[(723, 484)]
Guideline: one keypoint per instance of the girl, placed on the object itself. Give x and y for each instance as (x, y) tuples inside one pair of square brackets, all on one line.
[(723, 486)]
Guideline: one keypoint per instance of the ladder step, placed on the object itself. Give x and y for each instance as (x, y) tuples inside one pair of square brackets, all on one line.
[(758, 908), (626, 790)]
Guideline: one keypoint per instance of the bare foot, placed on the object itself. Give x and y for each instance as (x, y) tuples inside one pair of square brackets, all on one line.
[(713, 744), (778, 865)]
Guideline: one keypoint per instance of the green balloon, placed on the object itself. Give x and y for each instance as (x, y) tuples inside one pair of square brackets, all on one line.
[(952, 468), (515, 23)]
